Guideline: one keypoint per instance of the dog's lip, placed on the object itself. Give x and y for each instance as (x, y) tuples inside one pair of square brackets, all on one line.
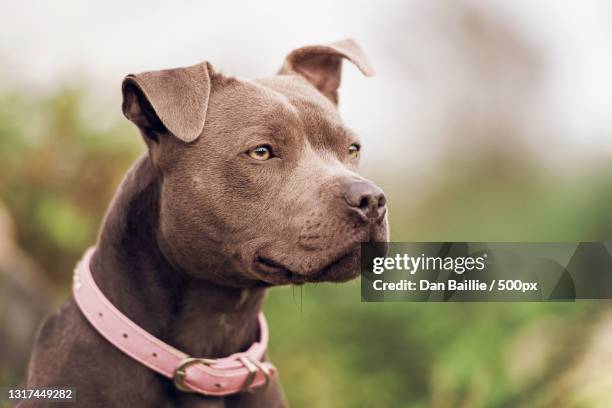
[(337, 260), (269, 264), (274, 272)]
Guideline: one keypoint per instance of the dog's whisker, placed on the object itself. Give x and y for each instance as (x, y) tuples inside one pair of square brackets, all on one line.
[(301, 299), (293, 295)]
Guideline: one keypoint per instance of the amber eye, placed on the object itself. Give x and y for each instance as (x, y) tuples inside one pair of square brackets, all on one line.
[(262, 153), (354, 150)]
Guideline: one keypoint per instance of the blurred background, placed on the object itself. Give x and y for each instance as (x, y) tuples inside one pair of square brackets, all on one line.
[(486, 121)]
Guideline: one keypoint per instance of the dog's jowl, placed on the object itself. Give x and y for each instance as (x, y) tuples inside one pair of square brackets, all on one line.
[(245, 184)]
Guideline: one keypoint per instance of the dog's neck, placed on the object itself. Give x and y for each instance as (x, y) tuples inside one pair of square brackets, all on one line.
[(197, 317)]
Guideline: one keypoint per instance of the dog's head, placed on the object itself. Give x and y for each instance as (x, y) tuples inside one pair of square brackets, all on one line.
[(258, 178)]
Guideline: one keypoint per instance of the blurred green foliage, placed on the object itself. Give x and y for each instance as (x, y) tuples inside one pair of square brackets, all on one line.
[(59, 171)]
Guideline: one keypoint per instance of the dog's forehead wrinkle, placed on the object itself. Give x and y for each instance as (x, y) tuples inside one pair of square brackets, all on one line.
[(322, 162), (253, 132), (321, 126), (279, 100), (250, 101), (298, 91)]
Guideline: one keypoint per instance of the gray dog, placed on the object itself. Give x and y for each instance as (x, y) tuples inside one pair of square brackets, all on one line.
[(245, 185)]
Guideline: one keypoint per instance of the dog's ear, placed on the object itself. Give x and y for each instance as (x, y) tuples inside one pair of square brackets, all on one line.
[(173, 100), (322, 64)]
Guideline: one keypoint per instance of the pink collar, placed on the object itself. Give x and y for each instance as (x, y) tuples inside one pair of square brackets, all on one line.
[(214, 377)]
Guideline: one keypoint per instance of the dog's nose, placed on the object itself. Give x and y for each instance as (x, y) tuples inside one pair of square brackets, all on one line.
[(366, 198)]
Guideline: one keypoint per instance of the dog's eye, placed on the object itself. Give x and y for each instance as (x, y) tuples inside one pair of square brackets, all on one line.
[(354, 150), (262, 153)]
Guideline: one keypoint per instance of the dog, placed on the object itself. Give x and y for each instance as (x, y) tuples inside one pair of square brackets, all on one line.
[(245, 184)]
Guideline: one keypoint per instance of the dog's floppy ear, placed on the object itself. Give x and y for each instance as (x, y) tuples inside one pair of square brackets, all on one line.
[(172, 100), (322, 64)]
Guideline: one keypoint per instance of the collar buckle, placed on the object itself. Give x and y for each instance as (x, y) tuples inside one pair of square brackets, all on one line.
[(180, 371)]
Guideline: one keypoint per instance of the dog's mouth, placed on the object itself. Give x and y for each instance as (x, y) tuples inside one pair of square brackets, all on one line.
[(270, 266), (274, 272), (339, 261)]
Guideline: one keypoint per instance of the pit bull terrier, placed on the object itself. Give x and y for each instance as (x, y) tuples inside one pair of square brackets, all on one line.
[(246, 184)]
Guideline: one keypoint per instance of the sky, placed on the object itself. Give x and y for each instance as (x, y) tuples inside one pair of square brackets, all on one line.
[(47, 43)]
